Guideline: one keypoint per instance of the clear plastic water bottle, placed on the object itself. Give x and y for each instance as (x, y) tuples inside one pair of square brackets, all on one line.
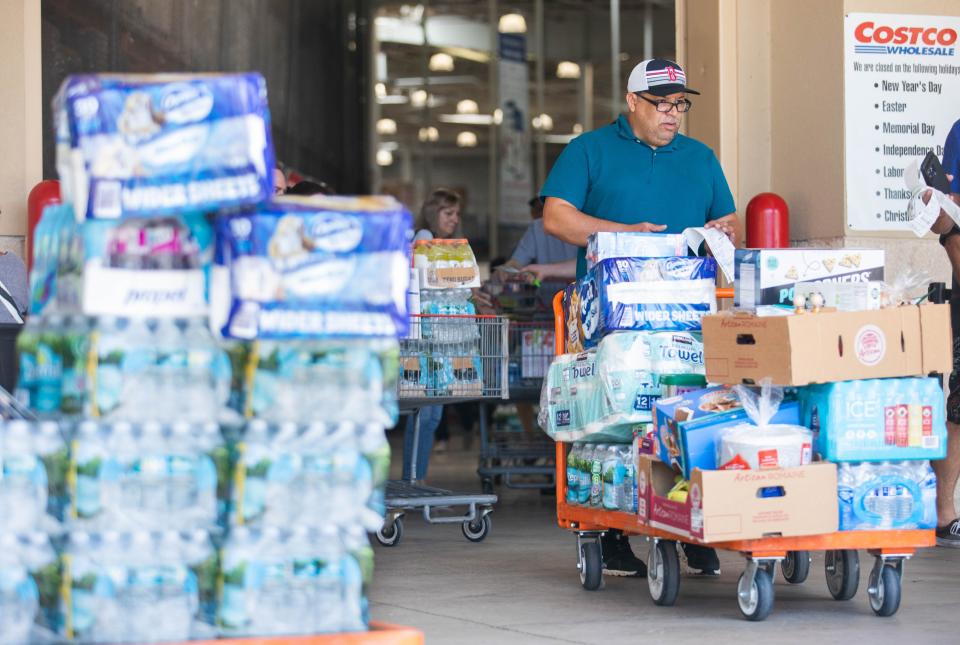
[(202, 559), (215, 461), (23, 489), (357, 555), (111, 556), (314, 478), (237, 598), (139, 373), (176, 589), (120, 482), (75, 348), (171, 368), (153, 475), (256, 460), (328, 597), (612, 479), (49, 373), (41, 560), (111, 355), (596, 475), (573, 473), (277, 610), (28, 342), (19, 597), (91, 453), (182, 485), (52, 449), (142, 597), (586, 465), (628, 498), (202, 397)]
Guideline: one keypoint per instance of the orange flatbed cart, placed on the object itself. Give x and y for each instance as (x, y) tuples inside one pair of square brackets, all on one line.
[(379, 634), (755, 588)]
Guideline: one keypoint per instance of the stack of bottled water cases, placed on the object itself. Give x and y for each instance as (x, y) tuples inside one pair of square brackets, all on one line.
[(602, 476), (178, 486), (446, 338)]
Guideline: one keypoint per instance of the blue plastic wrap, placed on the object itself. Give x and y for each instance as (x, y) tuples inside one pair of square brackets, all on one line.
[(132, 145), (645, 294), (317, 267)]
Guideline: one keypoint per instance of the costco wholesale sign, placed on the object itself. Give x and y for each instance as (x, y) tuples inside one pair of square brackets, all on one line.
[(902, 96)]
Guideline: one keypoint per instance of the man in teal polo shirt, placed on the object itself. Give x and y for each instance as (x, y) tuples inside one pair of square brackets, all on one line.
[(639, 174)]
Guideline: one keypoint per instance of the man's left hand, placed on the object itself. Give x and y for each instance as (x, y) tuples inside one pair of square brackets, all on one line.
[(726, 225)]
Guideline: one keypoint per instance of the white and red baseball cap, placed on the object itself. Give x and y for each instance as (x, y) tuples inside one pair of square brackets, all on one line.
[(658, 76)]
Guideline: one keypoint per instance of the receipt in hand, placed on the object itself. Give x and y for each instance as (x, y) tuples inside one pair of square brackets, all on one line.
[(719, 244), (923, 216)]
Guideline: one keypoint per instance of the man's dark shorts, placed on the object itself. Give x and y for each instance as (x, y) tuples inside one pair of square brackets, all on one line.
[(953, 399)]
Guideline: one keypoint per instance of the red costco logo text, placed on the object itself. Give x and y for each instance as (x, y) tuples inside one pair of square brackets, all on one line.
[(869, 32)]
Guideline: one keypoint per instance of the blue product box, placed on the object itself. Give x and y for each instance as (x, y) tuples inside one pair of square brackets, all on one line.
[(138, 145), (877, 419), (687, 427), (645, 294), (314, 267)]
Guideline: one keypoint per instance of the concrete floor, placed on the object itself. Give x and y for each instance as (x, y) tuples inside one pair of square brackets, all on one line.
[(521, 586)]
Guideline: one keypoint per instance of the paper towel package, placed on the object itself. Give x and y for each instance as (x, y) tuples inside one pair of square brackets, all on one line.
[(313, 267), (135, 145), (877, 419), (602, 394), (605, 246), (687, 427), (894, 495), (749, 447), (645, 294)]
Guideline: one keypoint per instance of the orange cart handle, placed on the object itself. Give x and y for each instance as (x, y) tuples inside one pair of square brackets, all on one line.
[(725, 292), (559, 333)]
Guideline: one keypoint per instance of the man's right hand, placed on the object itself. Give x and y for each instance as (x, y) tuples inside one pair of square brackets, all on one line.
[(647, 227)]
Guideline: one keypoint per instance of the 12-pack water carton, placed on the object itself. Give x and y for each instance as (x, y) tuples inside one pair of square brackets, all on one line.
[(313, 267), (887, 495), (877, 419), (644, 294), (130, 145)]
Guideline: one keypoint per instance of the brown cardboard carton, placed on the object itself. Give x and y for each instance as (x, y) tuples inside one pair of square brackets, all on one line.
[(725, 505), (827, 346), (750, 504)]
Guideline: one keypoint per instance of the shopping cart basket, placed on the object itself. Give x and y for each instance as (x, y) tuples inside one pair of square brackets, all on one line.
[(445, 360), (522, 460)]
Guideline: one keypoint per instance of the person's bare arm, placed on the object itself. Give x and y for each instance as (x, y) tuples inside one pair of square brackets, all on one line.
[(562, 220), (943, 224), (952, 246), (727, 225), (566, 270)]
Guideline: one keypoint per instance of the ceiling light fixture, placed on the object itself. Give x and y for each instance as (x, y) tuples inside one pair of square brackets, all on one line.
[(386, 126), (467, 139), (418, 98), (512, 23), (429, 133), (467, 106), (384, 158), (568, 69), (543, 122), (441, 62)]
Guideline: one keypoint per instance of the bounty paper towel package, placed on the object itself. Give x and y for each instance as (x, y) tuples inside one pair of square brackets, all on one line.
[(645, 294), (313, 267), (877, 419), (130, 145), (604, 246)]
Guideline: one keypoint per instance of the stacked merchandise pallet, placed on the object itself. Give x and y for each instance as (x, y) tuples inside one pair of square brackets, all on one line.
[(210, 372), (830, 454)]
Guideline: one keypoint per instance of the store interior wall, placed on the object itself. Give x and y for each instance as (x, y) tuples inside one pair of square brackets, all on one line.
[(20, 127), (782, 130), (311, 54)]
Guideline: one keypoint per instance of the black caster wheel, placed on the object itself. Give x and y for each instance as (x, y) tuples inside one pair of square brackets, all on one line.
[(591, 565), (478, 529), (884, 591), (843, 573), (486, 486), (391, 536), (755, 599), (796, 567), (663, 572)]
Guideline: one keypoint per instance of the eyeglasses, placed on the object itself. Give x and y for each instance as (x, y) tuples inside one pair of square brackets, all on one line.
[(683, 105)]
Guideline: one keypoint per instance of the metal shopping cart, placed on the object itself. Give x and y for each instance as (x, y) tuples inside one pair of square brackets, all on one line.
[(445, 360), (520, 458)]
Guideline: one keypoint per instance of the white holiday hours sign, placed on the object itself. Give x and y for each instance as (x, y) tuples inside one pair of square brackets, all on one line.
[(901, 97)]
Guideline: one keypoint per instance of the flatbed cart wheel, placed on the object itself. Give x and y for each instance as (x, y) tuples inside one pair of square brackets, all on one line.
[(757, 601), (478, 529), (884, 591), (796, 567), (591, 565), (843, 573), (391, 536), (663, 572)]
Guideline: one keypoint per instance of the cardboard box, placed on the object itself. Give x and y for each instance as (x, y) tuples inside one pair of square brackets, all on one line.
[(843, 296), (740, 504), (767, 276), (828, 346)]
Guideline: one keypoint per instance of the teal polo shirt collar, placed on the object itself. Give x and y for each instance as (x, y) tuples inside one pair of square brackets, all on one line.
[(626, 132)]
